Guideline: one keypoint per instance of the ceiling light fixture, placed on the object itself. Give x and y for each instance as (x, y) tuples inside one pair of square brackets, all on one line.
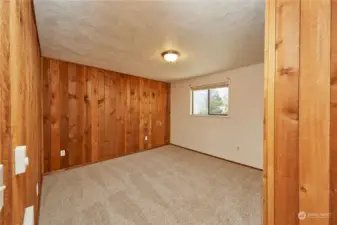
[(170, 56)]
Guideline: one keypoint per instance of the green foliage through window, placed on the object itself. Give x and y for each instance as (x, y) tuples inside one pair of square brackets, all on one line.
[(213, 101)]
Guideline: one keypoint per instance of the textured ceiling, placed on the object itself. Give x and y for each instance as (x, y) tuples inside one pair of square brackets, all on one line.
[(128, 36)]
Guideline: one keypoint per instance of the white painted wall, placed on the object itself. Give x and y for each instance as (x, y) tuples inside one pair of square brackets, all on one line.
[(219, 136)]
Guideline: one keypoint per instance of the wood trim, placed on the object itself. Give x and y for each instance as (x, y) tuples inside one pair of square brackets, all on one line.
[(240, 164), (269, 113)]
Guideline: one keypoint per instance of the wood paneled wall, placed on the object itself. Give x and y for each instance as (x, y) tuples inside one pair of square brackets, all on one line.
[(97, 115), (300, 169), (20, 107)]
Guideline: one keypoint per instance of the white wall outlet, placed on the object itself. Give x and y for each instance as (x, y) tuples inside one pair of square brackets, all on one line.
[(21, 159), (29, 216), (145, 138), (63, 153), (237, 147)]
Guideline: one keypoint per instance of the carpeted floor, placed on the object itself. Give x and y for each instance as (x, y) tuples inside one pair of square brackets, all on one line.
[(164, 186)]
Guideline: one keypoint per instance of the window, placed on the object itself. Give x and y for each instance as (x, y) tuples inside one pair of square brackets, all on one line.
[(210, 100)]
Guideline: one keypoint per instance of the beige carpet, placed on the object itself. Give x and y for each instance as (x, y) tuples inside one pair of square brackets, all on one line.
[(164, 186)]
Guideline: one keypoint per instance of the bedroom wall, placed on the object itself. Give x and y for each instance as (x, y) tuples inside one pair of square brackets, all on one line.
[(20, 107), (220, 136), (95, 114)]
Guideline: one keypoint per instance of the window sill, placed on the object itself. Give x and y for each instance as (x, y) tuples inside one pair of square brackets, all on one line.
[(211, 116)]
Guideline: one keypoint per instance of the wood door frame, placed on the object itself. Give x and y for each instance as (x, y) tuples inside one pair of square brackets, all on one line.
[(306, 26)]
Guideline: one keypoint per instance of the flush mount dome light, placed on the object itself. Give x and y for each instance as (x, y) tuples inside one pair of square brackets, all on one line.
[(170, 56)]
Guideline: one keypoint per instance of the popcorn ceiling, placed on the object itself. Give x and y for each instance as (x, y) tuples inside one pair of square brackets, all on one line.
[(129, 36)]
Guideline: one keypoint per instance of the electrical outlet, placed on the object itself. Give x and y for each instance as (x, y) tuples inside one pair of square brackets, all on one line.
[(237, 147), (63, 153), (145, 138), (28, 218)]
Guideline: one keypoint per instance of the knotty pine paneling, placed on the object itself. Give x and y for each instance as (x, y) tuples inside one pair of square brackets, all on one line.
[(300, 115), (95, 114), (20, 107)]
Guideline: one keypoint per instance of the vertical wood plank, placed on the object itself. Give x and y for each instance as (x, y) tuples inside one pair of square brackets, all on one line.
[(5, 117), (31, 110), (134, 114), (269, 115), (314, 109), (161, 111), (55, 115), (113, 128), (333, 114), (168, 115), (128, 124), (46, 115), (93, 99), (145, 112), (64, 120), (148, 106), (88, 116), (18, 100), (152, 113), (155, 113), (120, 114), (80, 94), (142, 100), (159, 121), (101, 114), (107, 124), (73, 143), (286, 109)]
